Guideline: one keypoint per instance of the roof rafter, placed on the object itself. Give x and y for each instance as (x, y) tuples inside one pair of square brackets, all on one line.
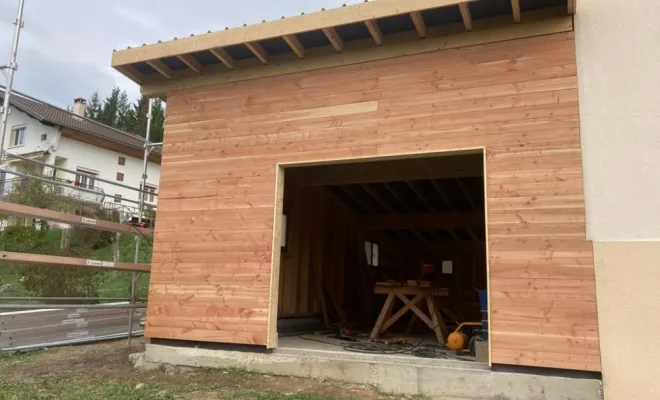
[(372, 25), (394, 194), (442, 194), (222, 55), (271, 29), (334, 38), (160, 66), (131, 73), (426, 221), (466, 15), (428, 205), (258, 51), (295, 45), (192, 63), (420, 26), (515, 6), (466, 194), (571, 7)]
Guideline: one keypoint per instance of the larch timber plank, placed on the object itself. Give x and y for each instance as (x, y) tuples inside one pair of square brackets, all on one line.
[(518, 99)]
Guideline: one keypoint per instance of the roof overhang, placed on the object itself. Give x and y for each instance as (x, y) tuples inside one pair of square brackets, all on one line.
[(347, 35)]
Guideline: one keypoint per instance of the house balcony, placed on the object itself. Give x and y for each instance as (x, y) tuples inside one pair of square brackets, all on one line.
[(93, 195)]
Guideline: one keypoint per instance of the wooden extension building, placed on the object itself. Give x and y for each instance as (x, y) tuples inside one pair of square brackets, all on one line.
[(431, 132)]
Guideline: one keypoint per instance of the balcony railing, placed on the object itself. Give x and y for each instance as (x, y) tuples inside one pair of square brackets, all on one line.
[(12, 185)]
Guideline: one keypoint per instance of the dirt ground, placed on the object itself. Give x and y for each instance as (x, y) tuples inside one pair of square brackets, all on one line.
[(104, 371)]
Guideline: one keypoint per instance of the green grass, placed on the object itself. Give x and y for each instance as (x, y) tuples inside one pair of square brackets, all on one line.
[(82, 388), (12, 358), (242, 372), (115, 284)]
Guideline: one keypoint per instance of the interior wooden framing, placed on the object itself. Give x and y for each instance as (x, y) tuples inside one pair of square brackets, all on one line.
[(426, 214), (261, 48)]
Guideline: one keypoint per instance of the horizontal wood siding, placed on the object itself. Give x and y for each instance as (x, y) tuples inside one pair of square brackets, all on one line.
[(518, 99)]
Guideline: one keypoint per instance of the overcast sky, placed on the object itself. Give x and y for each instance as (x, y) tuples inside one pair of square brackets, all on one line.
[(66, 45)]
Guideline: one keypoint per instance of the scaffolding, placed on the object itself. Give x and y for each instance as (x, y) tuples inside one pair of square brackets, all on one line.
[(136, 228)]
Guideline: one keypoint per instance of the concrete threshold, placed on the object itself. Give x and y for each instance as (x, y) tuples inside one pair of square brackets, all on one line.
[(399, 374)]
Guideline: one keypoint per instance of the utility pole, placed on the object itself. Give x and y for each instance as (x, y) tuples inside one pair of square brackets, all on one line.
[(12, 67)]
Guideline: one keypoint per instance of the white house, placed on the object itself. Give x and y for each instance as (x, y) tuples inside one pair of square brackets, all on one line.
[(43, 132)]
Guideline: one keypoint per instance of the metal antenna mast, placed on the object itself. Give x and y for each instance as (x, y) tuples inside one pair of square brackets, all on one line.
[(13, 66)]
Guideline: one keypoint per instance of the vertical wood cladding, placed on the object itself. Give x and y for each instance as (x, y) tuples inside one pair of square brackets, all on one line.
[(211, 263)]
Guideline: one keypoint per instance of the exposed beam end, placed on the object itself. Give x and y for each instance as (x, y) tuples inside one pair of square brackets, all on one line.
[(420, 26), (515, 6), (372, 25), (132, 73), (466, 15), (222, 55), (334, 38), (192, 63), (258, 51), (295, 45), (571, 7), (160, 66)]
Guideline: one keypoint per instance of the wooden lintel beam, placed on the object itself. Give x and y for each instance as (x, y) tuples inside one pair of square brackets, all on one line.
[(19, 210), (515, 6), (193, 64), (57, 261), (372, 25), (295, 45), (132, 73), (466, 15), (420, 25), (258, 51), (379, 222), (160, 66), (571, 7), (222, 55), (464, 166), (334, 38)]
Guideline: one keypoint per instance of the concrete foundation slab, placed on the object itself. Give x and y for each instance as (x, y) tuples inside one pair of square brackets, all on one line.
[(392, 374)]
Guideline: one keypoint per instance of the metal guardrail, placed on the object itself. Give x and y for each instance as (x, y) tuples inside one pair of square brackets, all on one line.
[(22, 330), (71, 189)]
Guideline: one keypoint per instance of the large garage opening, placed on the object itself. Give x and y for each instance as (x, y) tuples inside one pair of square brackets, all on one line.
[(385, 257)]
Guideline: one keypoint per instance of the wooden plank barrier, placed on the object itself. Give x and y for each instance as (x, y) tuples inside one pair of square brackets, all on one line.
[(57, 261), (19, 210)]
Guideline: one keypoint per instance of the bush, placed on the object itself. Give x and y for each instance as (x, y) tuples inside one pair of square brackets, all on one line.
[(43, 281)]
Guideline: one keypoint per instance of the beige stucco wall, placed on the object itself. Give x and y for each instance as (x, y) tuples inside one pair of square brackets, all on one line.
[(618, 53), (628, 295)]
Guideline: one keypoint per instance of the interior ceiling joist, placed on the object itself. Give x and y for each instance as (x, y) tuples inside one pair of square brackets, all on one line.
[(429, 210), (270, 44)]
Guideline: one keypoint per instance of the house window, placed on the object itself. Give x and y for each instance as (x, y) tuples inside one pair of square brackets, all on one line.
[(149, 194), (17, 137), (44, 137), (121, 161), (371, 250), (85, 178), (118, 198), (120, 176)]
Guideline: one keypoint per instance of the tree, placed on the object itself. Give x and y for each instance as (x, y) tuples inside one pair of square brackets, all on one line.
[(110, 109), (117, 111), (157, 121), (93, 109), (124, 111), (139, 114)]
